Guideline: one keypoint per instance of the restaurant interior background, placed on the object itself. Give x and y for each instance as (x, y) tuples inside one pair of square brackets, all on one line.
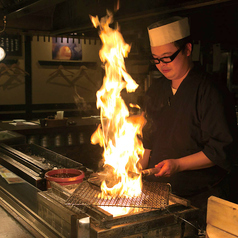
[(37, 79), (52, 64)]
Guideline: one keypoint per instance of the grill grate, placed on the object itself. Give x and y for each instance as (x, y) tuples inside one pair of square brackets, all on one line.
[(154, 195)]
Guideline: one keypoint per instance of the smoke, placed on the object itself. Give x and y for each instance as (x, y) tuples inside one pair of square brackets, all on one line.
[(81, 104)]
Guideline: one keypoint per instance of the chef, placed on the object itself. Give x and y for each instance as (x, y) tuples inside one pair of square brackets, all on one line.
[(191, 123)]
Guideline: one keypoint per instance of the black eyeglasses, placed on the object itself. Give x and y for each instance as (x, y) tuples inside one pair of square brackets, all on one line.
[(166, 59)]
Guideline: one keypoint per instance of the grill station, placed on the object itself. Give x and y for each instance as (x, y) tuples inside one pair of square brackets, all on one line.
[(79, 210)]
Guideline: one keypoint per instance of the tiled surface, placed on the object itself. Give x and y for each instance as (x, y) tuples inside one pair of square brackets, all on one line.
[(10, 228)]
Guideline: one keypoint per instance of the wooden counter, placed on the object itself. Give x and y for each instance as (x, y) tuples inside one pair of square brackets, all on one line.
[(29, 129), (72, 141), (83, 128)]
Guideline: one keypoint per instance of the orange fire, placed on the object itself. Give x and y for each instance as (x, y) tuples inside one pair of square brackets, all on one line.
[(118, 133)]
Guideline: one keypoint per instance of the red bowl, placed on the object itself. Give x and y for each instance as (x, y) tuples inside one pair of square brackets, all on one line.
[(64, 176)]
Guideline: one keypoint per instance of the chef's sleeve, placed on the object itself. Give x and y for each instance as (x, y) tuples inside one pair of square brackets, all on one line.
[(218, 124)]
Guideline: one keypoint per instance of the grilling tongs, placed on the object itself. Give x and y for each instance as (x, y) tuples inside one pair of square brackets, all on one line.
[(151, 171), (145, 172)]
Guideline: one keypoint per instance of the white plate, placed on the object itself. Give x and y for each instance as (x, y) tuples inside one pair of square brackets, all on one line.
[(19, 120)]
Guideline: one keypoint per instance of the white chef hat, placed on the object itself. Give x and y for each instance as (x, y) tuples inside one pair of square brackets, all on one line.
[(169, 30)]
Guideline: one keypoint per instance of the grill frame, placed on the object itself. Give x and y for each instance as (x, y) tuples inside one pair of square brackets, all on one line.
[(154, 196), (106, 220)]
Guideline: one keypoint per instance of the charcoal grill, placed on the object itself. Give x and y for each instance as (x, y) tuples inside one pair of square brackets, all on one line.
[(156, 212)]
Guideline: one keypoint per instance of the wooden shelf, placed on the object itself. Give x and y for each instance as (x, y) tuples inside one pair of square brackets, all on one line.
[(66, 63), (9, 61)]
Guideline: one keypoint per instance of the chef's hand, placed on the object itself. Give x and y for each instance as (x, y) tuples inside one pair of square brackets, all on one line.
[(167, 167), (191, 162)]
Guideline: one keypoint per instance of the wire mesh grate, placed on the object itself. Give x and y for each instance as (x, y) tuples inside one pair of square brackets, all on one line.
[(154, 195)]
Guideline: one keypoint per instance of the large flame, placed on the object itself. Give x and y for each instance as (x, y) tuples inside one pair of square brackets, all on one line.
[(118, 132)]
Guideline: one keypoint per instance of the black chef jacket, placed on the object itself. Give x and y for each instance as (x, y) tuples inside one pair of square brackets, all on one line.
[(199, 117)]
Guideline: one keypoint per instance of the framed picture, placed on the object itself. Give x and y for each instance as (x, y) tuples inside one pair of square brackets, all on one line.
[(66, 49)]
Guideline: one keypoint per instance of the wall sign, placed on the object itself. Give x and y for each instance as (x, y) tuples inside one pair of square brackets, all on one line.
[(12, 44)]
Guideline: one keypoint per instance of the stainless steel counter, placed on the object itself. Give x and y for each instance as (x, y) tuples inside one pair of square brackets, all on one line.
[(20, 202), (10, 227)]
